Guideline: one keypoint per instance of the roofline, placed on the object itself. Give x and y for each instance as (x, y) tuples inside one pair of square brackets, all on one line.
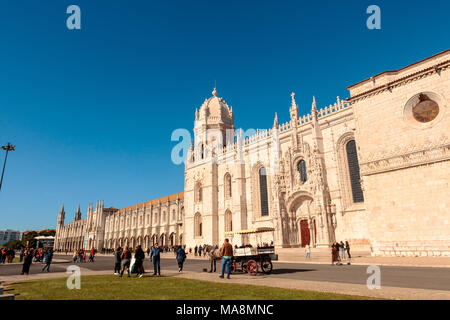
[(398, 70), (179, 195)]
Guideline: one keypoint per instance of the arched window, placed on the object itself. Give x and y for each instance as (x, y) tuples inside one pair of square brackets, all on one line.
[(228, 221), (173, 215), (263, 192), (198, 192), (301, 166), (227, 186), (198, 225), (353, 169)]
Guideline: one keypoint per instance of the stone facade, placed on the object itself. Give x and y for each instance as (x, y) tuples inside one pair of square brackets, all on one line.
[(373, 170), (396, 201), (404, 160), (158, 220)]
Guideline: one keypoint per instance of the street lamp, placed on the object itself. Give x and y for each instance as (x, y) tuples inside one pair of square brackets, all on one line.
[(8, 147)]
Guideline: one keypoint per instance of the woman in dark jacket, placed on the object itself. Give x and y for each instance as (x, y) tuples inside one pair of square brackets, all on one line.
[(139, 255), (117, 260), (181, 256), (27, 262)]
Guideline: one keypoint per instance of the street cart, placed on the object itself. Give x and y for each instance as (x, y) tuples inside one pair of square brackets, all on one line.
[(250, 259)]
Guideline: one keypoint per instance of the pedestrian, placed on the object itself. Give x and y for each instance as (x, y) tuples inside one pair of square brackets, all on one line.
[(75, 256), (22, 254), (308, 251), (226, 252), (200, 251), (126, 259), (117, 260), (9, 255), (155, 257), (347, 248), (181, 257), (92, 255), (342, 246), (195, 251), (337, 246), (48, 259), (213, 257), (27, 262), (139, 255), (334, 254)]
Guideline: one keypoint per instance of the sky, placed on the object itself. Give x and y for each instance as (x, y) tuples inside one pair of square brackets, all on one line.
[(91, 111)]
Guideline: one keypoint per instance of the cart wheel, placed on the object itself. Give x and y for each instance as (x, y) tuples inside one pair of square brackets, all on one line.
[(244, 267), (233, 267), (266, 266), (252, 267)]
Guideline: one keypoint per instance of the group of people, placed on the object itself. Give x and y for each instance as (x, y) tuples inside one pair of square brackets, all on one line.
[(123, 258), (199, 250), (79, 255), (338, 251), (7, 255), (43, 255)]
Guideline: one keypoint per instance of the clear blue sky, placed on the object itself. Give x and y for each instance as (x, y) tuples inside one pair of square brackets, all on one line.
[(92, 111)]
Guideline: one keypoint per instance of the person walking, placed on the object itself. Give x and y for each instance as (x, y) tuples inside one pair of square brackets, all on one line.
[(139, 255), (92, 255), (48, 259), (213, 257), (308, 251), (226, 252), (155, 257), (22, 254), (181, 257), (117, 260), (126, 259), (27, 262), (200, 251)]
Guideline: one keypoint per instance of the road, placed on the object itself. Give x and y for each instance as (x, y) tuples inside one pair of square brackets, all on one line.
[(403, 277)]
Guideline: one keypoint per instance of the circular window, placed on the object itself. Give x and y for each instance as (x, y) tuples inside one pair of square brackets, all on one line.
[(426, 110)]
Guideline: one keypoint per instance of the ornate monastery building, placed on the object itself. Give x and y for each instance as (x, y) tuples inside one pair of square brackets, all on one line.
[(373, 169)]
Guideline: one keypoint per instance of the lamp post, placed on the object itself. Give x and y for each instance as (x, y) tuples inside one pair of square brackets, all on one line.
[(8, 147)]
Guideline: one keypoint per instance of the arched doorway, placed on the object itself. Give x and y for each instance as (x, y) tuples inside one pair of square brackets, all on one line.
[(163, 240), (154, 239), (172, 239), (305, 233)]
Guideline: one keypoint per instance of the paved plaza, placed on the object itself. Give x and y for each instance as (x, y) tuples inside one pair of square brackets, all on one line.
[(397, 282)]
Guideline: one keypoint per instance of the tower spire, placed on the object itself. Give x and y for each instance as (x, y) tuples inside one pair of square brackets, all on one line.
[(275, 121), (78, 214)]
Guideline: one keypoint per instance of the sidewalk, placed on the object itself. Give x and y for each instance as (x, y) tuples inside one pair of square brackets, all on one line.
[(323, 256)]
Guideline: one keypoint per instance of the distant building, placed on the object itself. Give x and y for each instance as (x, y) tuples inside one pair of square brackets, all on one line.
[(9, 235)]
